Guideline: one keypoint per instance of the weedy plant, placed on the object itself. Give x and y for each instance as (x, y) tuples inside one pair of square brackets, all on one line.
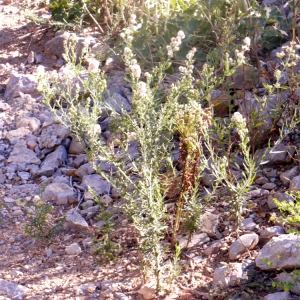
[(143, 178)]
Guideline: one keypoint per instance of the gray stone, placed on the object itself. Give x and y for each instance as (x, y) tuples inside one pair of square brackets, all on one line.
[(287, 176), (275, 2), (99, 185), (80, 160), (295, 184), (248, 224), (268, 232), (13, 136), (53, 161), (210, 225), (4, 106), (269, 186), (2, 178), (197, 239), (280, 197), (73, 249), (22, 155), (24, 175), (213, 248), (76, 147), (59, 192), (100, 51), (86, 288), (242, 244), (106, 199), (290, 278), (278, 296), (20, 83), (29, 122), (256, 194), (52, 136), (261, 180), (75, 221), (229, 273), (90, 212), (120, 296), (85, 169), (30, 58), (281, 252), (56, 46), (117, 103), (14, 290), (277, 156)]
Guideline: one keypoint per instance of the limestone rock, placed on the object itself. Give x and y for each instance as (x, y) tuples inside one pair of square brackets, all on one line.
[(13, 136), (287, 176), (29, 122), (75, 221), (22, 155), (85, 169), (52, 136), (53, 161), (248, 224), (281, 252), (256, 193), (278, 296), (242, 244), (99, 185), (14, 290), (147, 293), (76, 147), (20, 83), (73, 249), (280, 197), (197, 239), (210, 225), (295, 184), (59, 192), (227, 274)]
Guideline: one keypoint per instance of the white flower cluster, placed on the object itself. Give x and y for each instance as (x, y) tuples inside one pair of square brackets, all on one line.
[(135, 70), (175, 43), (290, 53), (188, 69), (141, 90), (237, 118), (240, 55)]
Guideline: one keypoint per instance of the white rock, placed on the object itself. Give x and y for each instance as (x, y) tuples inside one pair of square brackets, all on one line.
[(281, 252), (73, 249), (14, 290), (197, 239), (99, 185), (75, 221), (147, 292), (14, 136), (229, 273), (278, 296), (248, 224), (240, 246)]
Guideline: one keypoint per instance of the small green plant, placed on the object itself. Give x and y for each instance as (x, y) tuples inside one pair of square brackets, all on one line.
[(290, 213), (291, 282), (39, 226), (106, 248), (267, 262)]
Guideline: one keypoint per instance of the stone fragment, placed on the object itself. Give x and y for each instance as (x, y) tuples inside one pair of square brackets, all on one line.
[(100, 51), (197, 239), (210, 225), (229, 273), (248, 224), (29, 122), (85, 169), (86, 288), (30, 58), (14, 290), (213, 248), (22, 155), (76, 147), (75, 221), (287, 176), (106, 199), (268, 232), (52, 136), (80, 160), (147, 292), (261, 180), (278, 296), (277, 156), (281, 252), (291, 279), (73, 249), (120, 296), (242, 244), (269, 186), (117, 103), (280, 197), (14, 136), (256, 194), (99, 185), (53, 161), (20, 83), (295, 184), (59, 192), (4, 106), (56, 46)]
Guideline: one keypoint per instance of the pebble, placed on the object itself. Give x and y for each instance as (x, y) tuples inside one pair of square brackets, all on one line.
[(73, 249)]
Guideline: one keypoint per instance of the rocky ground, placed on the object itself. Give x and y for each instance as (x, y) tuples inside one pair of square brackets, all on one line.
[(40, 161)]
